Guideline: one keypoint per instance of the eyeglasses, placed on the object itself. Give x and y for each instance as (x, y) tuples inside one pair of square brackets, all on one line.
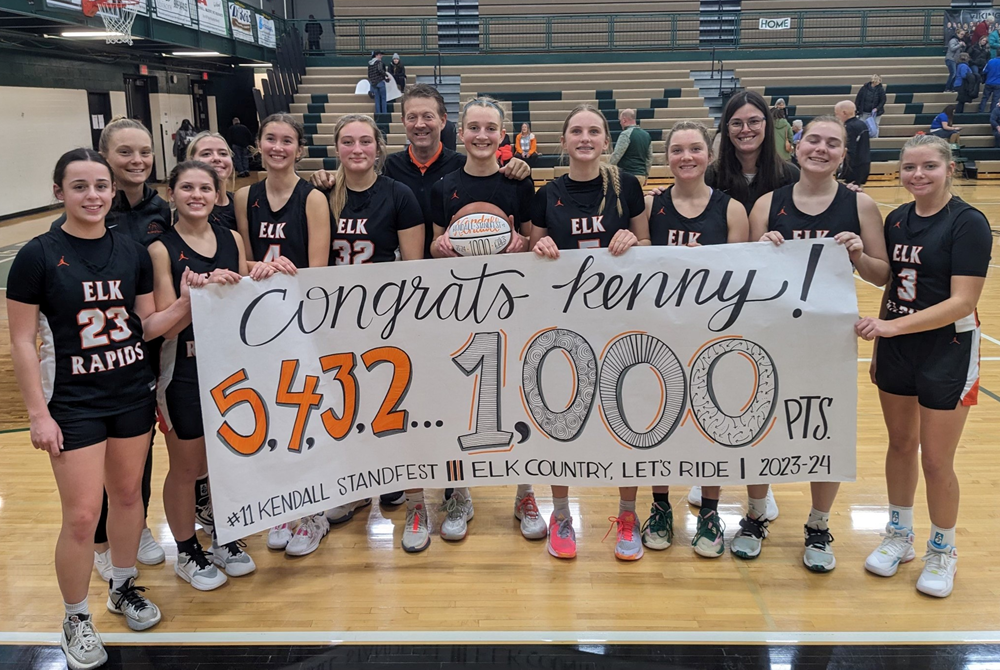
[(753, 124)]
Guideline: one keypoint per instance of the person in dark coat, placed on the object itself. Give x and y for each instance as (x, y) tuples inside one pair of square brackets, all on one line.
[(398, 72), (449, 135), (966, 83), (240, 139), (313, 32), (979, 54), (870, 102), (859, 156)]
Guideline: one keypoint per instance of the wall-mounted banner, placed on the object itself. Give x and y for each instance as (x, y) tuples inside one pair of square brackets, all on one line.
[(175, 11), (212, 17), (775, 24), (265, 32), (728, 364), (241, 22)]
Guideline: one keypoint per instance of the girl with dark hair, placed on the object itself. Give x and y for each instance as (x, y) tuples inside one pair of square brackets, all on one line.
[(942, 125), (89, 391)]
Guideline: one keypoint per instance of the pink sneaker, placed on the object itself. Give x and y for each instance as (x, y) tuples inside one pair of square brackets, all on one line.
[(629, 544), (562, 537)]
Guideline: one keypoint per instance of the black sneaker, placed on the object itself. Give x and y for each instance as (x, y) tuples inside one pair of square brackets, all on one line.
[(393, 499)]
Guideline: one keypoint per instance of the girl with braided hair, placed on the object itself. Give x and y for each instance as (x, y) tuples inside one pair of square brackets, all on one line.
[(594, 206)]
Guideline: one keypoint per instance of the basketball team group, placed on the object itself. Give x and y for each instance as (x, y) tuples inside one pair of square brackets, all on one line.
[(107, 292)]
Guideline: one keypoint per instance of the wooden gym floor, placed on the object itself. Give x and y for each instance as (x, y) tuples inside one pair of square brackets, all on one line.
[(496, 587)]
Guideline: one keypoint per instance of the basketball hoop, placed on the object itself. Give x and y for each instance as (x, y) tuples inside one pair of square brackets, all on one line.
[(118, 16)]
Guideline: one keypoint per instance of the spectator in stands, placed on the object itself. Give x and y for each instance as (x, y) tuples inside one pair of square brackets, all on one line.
[(779, 104), (858, 164), (979, 54), (982, 29), (240, 139), (796, 131), (994, 40), (782, 133), (182, 138), (942, 125), (955, 47), (634, 149), (995, 124), (870, 103), (505, 150), (967, 83), (313, 32), (377, 77), (991, 87), (398, 72), (525, 145)]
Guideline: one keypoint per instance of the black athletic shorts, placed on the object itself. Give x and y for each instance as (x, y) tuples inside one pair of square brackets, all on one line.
[(78, 433), (940, 367), (180, 410)]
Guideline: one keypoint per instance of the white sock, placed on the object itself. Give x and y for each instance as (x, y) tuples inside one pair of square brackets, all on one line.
[(414, 499), (901, 516), (818, 520), (625, 506), (77, 609), (757, 507), (561, 506), (466, 493), (523, 490), (121, 575), (942, 537)]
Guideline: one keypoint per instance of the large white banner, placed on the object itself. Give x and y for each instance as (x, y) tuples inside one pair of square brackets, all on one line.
[(212, 17), (728, 365), (265, 31), (180, 12)]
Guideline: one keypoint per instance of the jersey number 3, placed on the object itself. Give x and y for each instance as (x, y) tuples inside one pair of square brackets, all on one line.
[(908, 284), (93, 321), (361, 252)]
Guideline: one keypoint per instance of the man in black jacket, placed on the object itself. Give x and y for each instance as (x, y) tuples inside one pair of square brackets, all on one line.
[(870, 101), (240, 139), (859, 158)]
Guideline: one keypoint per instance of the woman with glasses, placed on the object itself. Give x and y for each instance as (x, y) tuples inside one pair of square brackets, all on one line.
[(748, 166)]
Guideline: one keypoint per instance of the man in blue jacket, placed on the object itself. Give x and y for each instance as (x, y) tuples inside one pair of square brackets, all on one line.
[(995, 124), (991, 79)]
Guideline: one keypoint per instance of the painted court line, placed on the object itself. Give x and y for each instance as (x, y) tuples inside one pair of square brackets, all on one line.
[(526, 637)]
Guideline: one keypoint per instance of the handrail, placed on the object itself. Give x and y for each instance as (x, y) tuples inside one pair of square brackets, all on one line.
[(648, 31)]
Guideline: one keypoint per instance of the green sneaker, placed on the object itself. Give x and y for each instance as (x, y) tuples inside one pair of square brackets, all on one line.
[(709, 538), (658, 531)]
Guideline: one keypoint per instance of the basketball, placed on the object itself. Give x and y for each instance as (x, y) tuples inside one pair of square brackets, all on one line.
[(480, 229)]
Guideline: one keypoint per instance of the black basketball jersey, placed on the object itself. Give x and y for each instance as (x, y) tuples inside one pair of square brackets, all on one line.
[(284, 232), (669, 227), (177, 357), (572, 217), (841, 216), (926, 252), (458, 189), (93, 358), (367, 230), (224, 215)]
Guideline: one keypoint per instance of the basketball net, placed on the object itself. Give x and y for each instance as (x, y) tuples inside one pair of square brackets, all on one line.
[(117, 15)]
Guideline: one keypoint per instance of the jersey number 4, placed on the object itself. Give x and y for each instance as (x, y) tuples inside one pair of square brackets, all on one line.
[(361, 252), (93, 321), (908, 284)]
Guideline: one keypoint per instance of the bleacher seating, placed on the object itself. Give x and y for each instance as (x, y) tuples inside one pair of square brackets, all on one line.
[(662, 93)]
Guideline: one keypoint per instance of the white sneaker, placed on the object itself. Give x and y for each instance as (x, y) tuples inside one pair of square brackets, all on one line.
[(82, 644), (279, 536), (459, 513), (416, 533), (343, 513), (818, 555), (231, 558), (311, 532), (150, 552), (748, 541), (102, 564), (896, 548), (772, 506), (198, 570), (694, 496), (940, 566), (128, 600), (533, 526), (204, 515)]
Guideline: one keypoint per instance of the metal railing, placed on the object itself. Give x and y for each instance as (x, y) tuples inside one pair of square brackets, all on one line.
[(633, 32)]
